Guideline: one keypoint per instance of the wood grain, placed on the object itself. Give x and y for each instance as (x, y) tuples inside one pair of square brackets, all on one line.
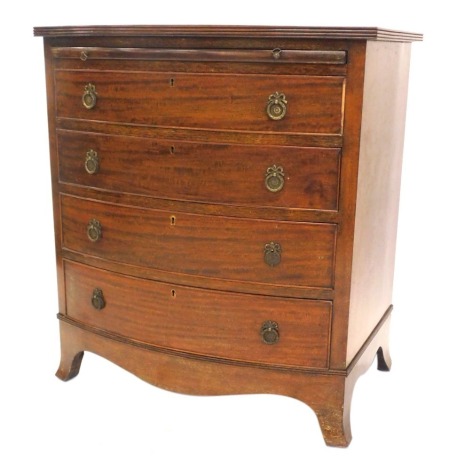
[(183, 170), (203, 101), (250, 212), (216, 247), (230, 285), (199, 321), (379, 181), (191, 66), (329, 394), (184, 142), (53, 150), (289, 56), (202, 135), (347, 197)]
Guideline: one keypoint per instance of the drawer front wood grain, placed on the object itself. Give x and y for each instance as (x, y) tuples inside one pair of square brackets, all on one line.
[(202, 245), (200, 172), (206, 322), (207, 101)]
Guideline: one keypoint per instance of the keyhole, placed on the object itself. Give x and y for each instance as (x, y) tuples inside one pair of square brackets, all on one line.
[(173, 293), (172, 82), (172, 149), (172, 220)]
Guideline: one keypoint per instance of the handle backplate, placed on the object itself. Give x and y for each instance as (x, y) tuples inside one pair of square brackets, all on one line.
[(97, 299), (89, 97), (272, 254), (94, 230), (274, 178), (92, 162), (277, 106), (269, 332)]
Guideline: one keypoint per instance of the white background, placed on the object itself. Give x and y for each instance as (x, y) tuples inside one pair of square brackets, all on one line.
[(107, 418)]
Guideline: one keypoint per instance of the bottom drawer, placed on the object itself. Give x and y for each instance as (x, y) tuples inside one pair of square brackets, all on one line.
[(206, 322)]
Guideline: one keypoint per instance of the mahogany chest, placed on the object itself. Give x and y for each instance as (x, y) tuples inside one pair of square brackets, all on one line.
[(225, 204)]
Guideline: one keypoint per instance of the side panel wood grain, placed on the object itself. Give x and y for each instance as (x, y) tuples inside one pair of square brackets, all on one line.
[(379, 177), (53, 148), (200, 321)]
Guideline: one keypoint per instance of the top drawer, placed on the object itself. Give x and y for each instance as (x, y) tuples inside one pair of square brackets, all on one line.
[(235, 102)]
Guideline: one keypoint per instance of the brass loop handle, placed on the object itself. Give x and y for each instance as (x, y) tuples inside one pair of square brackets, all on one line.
[(276, 53), (269, 332), (272, 254), (97, 299), (92, 162), (89, 98), (274, 178), (277, 106), (94, 230)]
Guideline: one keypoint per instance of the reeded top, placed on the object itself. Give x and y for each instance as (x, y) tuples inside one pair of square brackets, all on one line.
[(370, 33)]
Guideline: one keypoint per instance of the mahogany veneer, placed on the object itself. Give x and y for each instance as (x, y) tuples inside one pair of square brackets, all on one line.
[(225, 204)]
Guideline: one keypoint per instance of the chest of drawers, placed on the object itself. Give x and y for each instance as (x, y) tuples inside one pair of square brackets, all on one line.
[(225, 204)]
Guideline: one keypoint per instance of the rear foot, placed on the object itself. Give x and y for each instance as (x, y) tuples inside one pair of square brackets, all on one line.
[(383, 359)]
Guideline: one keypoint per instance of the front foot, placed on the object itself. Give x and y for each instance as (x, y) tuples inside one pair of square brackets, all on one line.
[(334, 411), (69, 366), (335, 426)]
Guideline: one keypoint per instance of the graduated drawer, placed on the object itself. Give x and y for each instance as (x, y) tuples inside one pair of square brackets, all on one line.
[(203, 101), (231, 248), (205, 322), (266, 176)]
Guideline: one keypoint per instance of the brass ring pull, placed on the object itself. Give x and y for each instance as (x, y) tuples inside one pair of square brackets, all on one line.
[(274, 178), (89, 98), (97, 299), (92, 162), (276, 53), (277, 106), (272, 254), (269, 332), (94, 230)]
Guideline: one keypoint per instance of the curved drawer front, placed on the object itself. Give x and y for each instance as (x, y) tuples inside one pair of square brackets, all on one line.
[(238, 174), (205, 322), (204, 101), (278, 253)]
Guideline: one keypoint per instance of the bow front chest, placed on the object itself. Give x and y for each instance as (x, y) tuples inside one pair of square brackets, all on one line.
[(225, 204)]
